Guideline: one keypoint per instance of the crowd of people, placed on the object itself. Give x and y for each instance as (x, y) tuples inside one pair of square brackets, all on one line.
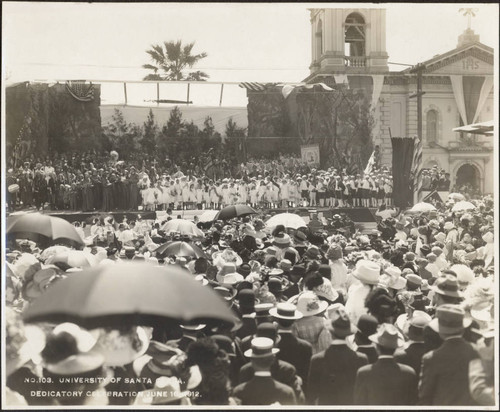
[(90, 183), (402, 315)]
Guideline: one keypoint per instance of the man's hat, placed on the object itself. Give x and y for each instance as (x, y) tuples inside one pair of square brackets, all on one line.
[(447, 285), (299, 236), (285, 311), (340, 323), (388, 336), (414, 327), (367, 325), (261, 348), (226, 293), (450, 320), (275, 285), (244, 269)]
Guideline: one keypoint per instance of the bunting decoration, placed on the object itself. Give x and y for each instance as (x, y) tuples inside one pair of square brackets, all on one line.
[(417, 165), (80, 91), (370, 164)]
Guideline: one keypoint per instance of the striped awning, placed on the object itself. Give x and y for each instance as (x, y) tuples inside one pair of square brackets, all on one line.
[(256, 87)]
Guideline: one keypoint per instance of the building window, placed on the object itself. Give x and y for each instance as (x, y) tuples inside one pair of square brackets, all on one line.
[(432, 125), (319, 40), (354, 36)]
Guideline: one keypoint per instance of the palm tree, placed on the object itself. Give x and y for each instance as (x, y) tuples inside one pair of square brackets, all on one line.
[(171, 60)]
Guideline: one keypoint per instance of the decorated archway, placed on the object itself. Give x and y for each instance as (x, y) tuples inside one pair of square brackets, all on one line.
[(468, 174)]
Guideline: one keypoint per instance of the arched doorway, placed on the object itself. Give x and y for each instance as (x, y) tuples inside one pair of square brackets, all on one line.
[(468, 175)]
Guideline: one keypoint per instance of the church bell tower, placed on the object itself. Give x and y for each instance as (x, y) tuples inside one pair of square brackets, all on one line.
[(348, 41)]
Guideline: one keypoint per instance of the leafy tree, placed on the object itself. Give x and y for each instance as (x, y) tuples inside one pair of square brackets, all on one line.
[(340, 121), (121, 136), (169, 138), (150, 133), (234, 143), (171, 61)]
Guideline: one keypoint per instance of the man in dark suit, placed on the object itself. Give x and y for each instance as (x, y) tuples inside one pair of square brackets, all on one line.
[(280, 370), (444, 378), (367, 326), (333, 372), (293, 350), (413, 352), (386, 382), (262, 389)]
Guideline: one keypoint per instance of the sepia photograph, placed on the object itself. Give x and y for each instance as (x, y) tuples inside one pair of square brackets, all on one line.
[(240, 205)]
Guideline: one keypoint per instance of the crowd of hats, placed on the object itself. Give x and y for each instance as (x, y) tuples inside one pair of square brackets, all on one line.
[(405, 282)]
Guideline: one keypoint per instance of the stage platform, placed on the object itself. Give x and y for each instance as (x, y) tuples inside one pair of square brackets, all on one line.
[(363, 218)]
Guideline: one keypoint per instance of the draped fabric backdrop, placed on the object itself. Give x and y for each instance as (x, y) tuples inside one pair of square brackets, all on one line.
[(402, 158)]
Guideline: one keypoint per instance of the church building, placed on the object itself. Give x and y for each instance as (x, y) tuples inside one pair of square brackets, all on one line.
[(349, 46)]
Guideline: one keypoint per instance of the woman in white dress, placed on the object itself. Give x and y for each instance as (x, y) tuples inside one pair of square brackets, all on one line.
[(262, 194), (284, 193), (274, 192), (254, 193), (224, 191), (191, 195), (165, 196), (185, 192), (243, 192), (177, 194), (233, 195)]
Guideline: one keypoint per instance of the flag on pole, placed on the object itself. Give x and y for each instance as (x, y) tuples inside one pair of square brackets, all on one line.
[(433, 197), (370, 164), (417, 165)]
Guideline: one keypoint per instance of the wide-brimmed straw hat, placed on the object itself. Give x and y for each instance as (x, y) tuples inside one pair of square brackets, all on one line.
[(261, 348), (286, 311), (367, 272), (308, 303)]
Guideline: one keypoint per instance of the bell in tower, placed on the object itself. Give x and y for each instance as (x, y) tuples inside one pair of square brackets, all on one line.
[(348, 41)]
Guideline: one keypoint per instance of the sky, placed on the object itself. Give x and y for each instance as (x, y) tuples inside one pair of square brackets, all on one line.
[(244, 42)]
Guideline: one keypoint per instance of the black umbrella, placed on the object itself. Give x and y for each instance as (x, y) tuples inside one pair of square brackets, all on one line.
[(131, 294), (233, 211), (45, 228), (180, 248)]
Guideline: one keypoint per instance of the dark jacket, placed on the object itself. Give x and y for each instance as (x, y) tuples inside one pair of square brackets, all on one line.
[(297, 352), (332, 375), (264, 390), (370, 351), (444, 378), (386, 382), (281, 371), (411, 356)]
